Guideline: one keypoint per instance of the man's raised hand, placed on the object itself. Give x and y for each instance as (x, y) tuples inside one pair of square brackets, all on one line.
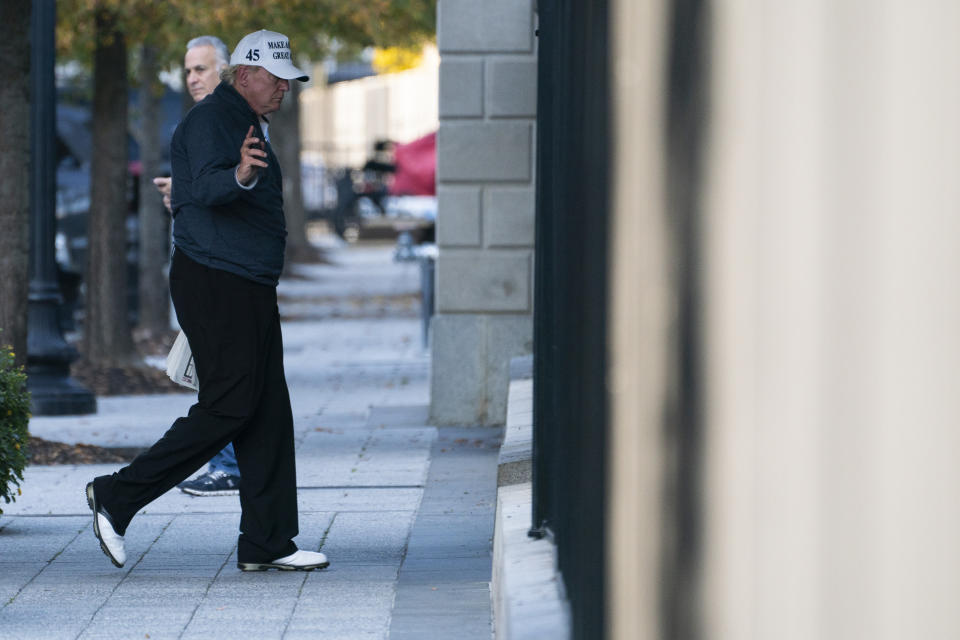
[(251, 152)]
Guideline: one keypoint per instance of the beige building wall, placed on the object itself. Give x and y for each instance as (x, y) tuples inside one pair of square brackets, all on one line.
[(831, 245), (342, 121), (640, 326), (833, 324)]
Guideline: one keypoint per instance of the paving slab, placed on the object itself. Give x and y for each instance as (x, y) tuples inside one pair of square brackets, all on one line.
[(443, 590), (402, 508)]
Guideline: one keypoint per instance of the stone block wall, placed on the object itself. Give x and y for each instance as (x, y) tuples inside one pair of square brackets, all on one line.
[(485, 199)]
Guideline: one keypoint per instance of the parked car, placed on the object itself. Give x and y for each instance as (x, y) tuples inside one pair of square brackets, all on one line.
[(74, 149)]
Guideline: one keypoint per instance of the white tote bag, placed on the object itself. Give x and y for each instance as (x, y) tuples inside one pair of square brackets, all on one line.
[(180, 363)]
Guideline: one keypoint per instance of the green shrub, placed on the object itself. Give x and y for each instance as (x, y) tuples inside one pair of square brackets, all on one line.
[(14, 418)]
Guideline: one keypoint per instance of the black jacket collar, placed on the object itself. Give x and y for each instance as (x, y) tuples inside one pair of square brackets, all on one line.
[(232, 97)]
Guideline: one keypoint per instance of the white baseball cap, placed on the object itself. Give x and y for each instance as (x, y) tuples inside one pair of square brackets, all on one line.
[(270, 50)]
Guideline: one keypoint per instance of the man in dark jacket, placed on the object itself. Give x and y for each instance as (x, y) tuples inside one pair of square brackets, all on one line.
[(229, 235)]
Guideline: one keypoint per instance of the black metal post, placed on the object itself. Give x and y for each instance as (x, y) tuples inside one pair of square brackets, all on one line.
[(571, 298), (544, 307), (52, 390), (427, 270)]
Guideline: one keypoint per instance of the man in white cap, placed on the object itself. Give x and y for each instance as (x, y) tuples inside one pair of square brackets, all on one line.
[(229, 236)]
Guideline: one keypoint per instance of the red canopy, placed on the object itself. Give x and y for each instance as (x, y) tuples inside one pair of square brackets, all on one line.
[(416, 167)]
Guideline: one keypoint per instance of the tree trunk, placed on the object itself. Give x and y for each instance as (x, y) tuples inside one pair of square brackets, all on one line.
[(285, 140), (15, 176), (107, 330), (154, 295)]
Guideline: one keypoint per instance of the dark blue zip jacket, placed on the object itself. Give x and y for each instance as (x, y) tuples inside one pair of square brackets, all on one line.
[(216, 222)]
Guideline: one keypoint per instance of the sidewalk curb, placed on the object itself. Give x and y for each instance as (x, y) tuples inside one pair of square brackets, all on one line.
[(527, 592)]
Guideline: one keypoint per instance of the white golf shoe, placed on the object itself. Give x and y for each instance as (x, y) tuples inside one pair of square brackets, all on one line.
[(299, 560), (110, 542)]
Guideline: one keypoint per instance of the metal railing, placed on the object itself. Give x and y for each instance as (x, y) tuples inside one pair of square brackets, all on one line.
[(570, 413), (571, 428)]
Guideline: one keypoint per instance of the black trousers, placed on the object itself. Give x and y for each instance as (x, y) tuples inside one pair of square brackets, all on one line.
[(233, 326)]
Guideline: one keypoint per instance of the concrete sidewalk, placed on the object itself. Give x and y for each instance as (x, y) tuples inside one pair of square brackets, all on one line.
[(404, 510)]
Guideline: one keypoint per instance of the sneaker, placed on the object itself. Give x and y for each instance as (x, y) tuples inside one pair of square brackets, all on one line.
[(299, 560), (213, 483), (110, 543)]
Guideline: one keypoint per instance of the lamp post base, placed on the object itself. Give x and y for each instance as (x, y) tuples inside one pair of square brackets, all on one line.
[(48, 354), (54, 393)]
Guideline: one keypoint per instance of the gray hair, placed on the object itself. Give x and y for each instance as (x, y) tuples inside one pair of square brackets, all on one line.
[(228, 74), (220, 49)]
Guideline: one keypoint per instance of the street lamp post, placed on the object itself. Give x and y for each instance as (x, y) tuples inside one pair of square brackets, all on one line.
[(52, 390)]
